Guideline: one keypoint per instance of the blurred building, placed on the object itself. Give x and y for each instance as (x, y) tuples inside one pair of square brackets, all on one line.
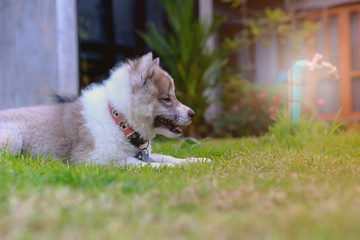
[(108, 33), (38, 51), (337, 39), (61, 46)]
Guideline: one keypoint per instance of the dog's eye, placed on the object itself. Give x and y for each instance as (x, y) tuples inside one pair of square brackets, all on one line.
[(166, 99)]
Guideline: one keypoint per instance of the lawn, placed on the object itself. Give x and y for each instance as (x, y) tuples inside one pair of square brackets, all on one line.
[(293, 183)]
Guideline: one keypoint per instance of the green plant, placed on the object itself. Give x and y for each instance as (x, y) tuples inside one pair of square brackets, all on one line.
[(306, 132), (248, 109), (183, 49)]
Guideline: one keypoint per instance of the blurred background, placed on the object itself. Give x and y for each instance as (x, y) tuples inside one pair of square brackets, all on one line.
[(229, 58)]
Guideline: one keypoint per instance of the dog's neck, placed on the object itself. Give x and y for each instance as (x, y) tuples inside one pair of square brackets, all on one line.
[(133, 136)]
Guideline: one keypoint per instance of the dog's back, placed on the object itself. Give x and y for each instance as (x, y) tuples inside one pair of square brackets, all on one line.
[(57, 129)]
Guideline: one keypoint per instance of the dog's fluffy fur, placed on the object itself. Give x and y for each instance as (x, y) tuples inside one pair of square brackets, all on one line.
[(82, 129)]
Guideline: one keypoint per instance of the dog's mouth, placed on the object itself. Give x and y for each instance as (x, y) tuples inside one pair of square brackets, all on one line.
[(160, 121)]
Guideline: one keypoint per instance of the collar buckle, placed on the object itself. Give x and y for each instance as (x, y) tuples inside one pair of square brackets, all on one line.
[(143, 155)]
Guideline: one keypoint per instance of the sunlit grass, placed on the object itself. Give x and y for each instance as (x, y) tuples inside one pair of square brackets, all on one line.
[(273, 187)]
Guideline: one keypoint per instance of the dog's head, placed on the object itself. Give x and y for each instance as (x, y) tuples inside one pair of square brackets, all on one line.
[(153, 98)]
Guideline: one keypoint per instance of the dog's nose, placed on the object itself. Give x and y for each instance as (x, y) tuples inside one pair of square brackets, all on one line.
[(191, 114)]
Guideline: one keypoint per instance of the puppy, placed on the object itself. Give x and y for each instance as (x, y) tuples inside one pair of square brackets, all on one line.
[(110, 122)]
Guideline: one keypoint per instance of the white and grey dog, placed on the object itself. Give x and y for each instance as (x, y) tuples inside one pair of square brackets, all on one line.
[(109, 122)]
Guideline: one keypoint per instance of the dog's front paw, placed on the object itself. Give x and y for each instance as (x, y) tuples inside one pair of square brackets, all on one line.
[(156, 165), (203, 160)]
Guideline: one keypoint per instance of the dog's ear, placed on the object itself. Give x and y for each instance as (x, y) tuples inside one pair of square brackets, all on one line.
[(147, 58), (144, 69), (156, 61), (147, 65)]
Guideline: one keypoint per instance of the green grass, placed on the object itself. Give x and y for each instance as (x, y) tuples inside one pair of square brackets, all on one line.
[(298, 182)]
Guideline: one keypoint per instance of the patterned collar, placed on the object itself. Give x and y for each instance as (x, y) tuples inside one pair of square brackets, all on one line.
[(133, 137)]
